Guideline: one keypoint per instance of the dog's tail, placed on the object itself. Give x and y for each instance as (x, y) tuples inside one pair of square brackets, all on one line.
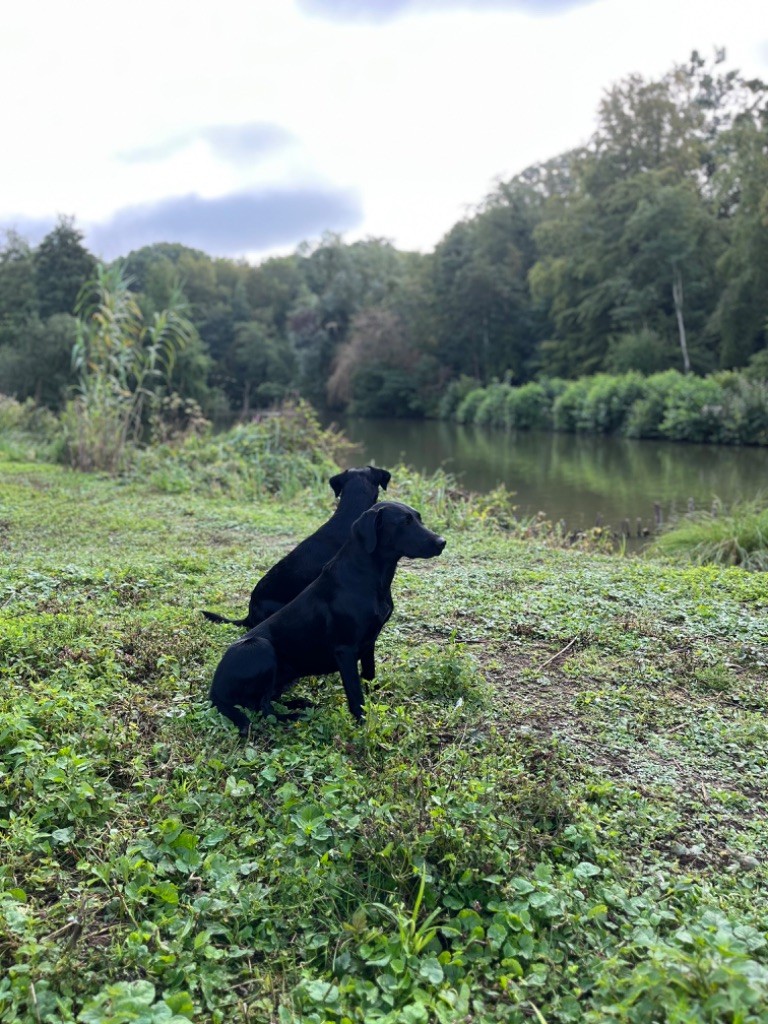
[(213, 617)]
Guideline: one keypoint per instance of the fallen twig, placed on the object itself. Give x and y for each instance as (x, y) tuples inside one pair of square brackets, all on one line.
[(556, 656)]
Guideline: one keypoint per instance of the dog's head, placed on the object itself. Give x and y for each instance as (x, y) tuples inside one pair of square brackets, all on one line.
[(371, 475), (396, 530)]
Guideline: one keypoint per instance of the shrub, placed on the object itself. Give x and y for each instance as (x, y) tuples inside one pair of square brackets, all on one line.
[(646, 414), (746, 409), (758, 366), (723, 408), (706, 970), (381, 390), (26, 417), (467, 409), (283, 452), (492, 410), (454, 395), (607, 402), (694, 410), (568, 405), (27, 430), (528, 407)]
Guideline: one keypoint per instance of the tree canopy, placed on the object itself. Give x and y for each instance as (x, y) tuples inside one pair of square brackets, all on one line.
[(646, 249)]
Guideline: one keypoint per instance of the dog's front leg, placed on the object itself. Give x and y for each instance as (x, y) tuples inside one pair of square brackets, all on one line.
[(235, 715), (367, 663), (346, 659)]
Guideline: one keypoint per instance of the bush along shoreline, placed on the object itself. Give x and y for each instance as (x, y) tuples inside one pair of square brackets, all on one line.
[(723, 408)]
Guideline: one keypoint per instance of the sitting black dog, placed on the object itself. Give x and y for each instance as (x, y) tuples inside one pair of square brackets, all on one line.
[(357, 490), (332, 624)]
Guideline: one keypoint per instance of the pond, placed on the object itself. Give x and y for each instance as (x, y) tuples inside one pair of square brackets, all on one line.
[(578, 479)]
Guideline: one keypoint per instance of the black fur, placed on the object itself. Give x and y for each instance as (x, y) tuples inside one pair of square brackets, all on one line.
[(331, 625), (357, 490)]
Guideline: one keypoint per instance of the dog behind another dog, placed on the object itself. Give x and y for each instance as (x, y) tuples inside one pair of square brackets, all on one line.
[(357, 490), (332, 625)]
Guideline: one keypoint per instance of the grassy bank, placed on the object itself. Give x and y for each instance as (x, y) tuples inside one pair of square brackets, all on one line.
[(736, 537), (555, 811)]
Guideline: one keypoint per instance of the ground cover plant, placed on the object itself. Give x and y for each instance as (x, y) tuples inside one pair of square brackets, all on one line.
[(555, 811)]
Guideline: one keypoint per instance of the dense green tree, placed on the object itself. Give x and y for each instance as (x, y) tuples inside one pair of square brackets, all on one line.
[(18, 289), (190, 374), (672, 243), (641, 257), (39, 362), (272, 289), (314, 342), (644, 126), (152, 273), (62, 266), (263, 363), (229, 302), (568, 282), (676, 123), (379, 371), (347, 277), (741, 187), (484, 320), (35, 354), (337, 282), (635, 246)]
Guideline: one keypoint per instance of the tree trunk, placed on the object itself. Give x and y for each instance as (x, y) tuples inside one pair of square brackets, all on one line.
[(677, 296), (485, 377)]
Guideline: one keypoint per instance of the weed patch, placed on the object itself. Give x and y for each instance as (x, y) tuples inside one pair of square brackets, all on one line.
[(555, 809)]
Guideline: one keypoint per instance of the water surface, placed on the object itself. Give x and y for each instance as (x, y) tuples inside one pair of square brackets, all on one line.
[(570, 477)]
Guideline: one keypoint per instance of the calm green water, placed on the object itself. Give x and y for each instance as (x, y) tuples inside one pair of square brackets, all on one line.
[(570, 477)]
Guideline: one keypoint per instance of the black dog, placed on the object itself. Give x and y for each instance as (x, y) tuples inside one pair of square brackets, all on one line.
[(357, 490), (332, 624)]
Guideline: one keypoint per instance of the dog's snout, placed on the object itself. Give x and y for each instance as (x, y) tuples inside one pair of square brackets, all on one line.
[(441, 542)]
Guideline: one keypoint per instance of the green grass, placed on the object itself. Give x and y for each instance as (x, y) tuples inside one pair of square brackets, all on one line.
[(555, 810), (736, 537)]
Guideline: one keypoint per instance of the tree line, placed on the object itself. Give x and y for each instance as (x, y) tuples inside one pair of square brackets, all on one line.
[(645, 250)]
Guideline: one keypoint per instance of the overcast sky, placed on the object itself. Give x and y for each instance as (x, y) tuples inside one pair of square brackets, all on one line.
[(243, 127)]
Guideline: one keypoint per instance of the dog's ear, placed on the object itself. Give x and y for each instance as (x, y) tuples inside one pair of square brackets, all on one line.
[(381, 476), (366, 529), (337, 482)]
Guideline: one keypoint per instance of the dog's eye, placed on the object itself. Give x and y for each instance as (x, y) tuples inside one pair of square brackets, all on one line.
[(408, 519)]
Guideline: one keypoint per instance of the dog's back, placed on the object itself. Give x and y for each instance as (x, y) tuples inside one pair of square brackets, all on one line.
[(357, 490)]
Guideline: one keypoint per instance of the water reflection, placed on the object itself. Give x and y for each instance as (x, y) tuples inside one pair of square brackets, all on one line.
[(571, 477)]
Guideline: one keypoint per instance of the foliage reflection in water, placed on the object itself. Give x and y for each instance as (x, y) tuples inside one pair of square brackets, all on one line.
[(570, 477)]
